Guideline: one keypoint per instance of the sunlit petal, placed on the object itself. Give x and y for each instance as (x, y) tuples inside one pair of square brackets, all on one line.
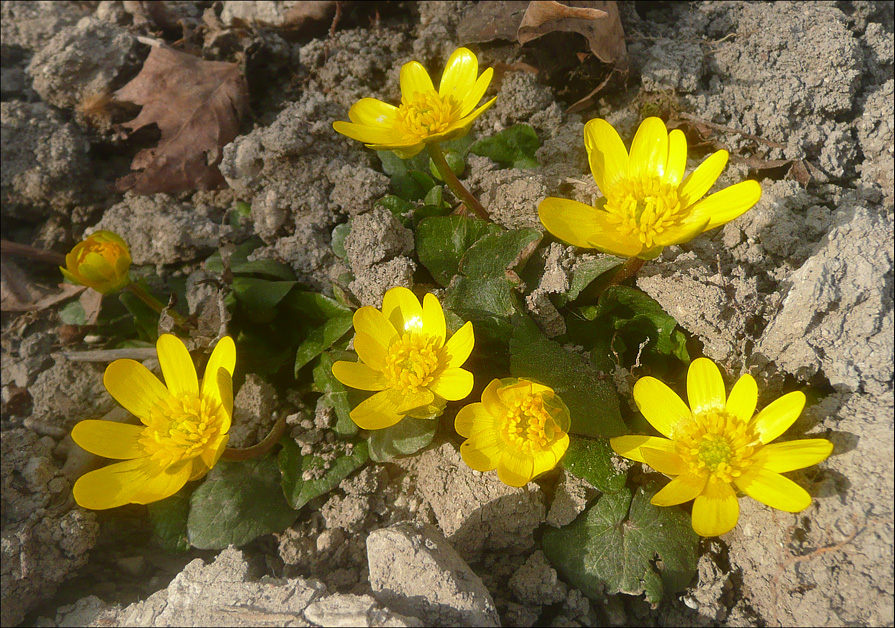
[(795, 454), (606, 154), (649, 150), (476, 92), (483, 451), (403, 310), (680, 490), (452, 384), (774, 490), (703, 178), (629, 446), (358, 375), (777, 417), (459, 74), (223, 356), (585, 226), (743, 398), (109, 439), (374, 113), (134, 387), (459, 346), (664, 461), (370, 321), (377, 412), (677, 158), (433, 318), (722, 207), (660, 405), (369, 134), (177, 366), (705, 386), (414, 78), (515, 469), (716, 511), (113, 485)]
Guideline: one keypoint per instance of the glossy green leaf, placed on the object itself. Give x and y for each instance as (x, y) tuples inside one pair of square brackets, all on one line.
[(514, 147), (584, 273), (441, 242), (335, 395), (314, 307), (612, 547), (237, 503), (293, 467), (589, 394), (455, 162), (168, 519), (475, 298), (495, 253), (591, 459), (265, 267), (321, 339), (340, 232), (404, 438), (259, 297)]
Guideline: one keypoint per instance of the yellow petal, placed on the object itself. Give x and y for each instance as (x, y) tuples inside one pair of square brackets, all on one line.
[(515, 469), (606, 154), (223, 357), (716, 511), (403, 310), (374, 113), (453, 384), (705, 386), (225, 398), (491, 400), (677, 158), (722, 207), (664, 461), (774, 490), (660, 405), (210, 455), (162, 485), (483, 453), (408, 401), (585, 226), (377, 412), (464, 122), (459, 74), (679, 234), (109, 439), (177, 366), (649, 150), (778, 416), (369, 320), (473, 418), (680, 490), (629, 446), (475, 93), (544, 461), (459, 346), (742, 399), (414, 78), (360, 376), (370, 351), (133, 386), (433, 318), (702, 179), (795, 454), (385, 136)]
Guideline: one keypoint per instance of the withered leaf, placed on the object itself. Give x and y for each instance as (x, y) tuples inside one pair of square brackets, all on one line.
[(197, 105), (18, 293), (599, 22)]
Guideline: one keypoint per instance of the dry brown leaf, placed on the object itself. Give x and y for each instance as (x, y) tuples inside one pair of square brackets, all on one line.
[(490, 20), (18, 293), (599, 22), (197, 105)]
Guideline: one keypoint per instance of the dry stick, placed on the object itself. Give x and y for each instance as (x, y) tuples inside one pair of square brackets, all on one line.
[(727, 129), (454, 183), (31, 252), (261, 448)]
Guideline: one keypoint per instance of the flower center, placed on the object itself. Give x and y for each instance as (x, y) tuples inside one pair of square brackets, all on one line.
[(717, 443), (427, 113), (412, 361), (644, 207), (527, 426), (181, 428)]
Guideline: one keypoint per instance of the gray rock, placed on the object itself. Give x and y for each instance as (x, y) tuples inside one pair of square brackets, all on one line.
[(570, 499), (69, 392), (536, 582), (357, 187), (82, 60), (45, 163), (30, 25), (511, 196), (354, 610), (253, 412), (416, 572), (371, 283), (375, 237)]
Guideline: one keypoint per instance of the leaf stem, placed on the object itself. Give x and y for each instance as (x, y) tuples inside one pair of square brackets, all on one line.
[(156, 305), (453, 182), (256, 451)]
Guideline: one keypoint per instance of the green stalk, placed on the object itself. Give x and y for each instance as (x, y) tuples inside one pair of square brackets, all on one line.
[(628, 270), (156, 305), (256, 451), (454, 183)]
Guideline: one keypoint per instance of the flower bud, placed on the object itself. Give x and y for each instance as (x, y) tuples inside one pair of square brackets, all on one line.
[(101, 261)]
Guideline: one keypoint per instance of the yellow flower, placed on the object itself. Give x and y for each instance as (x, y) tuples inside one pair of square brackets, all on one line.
[(101, 261), (404, 357), (716, 442), (425, 116), (647, 203), (184, 428), (520, 428)]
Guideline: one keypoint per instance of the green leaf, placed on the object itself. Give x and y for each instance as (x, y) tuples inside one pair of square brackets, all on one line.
[(401, 209), (455, 162), (265, 267), (335, 395), (259, 297), (584, 273), (494, 253), (314, 306), (611, 548), (404, 438), (590, 396), (441, 241), (435, 197), (514, 147), (168, 519), (145, 318), (73, 314), (237, 503), (321, 339), (476, 298), (293, 466), (591, 459), (338, 240)]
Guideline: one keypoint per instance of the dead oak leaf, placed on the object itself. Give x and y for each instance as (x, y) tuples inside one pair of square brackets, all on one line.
[(196, 105), (599, 22)]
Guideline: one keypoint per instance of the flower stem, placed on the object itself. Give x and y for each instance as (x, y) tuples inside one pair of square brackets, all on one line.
[(628, 270), (156, 305), (261, 448), (454, 183)]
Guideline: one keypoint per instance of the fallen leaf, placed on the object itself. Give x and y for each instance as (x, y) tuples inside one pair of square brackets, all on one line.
[(599, 22), (18, 293), (490, 20), (197, 105)]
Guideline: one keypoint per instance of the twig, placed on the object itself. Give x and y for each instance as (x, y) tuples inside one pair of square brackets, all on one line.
[(727, 129), (31, 252), (108, 355)]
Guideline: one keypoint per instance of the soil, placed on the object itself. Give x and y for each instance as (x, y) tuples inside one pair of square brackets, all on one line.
[(798, 292)]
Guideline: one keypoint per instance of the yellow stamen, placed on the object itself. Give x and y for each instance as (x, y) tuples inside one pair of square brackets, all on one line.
[(181, 428), (644, 207), (527, 426), (426, 113), (412, 361), (716, 443)]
